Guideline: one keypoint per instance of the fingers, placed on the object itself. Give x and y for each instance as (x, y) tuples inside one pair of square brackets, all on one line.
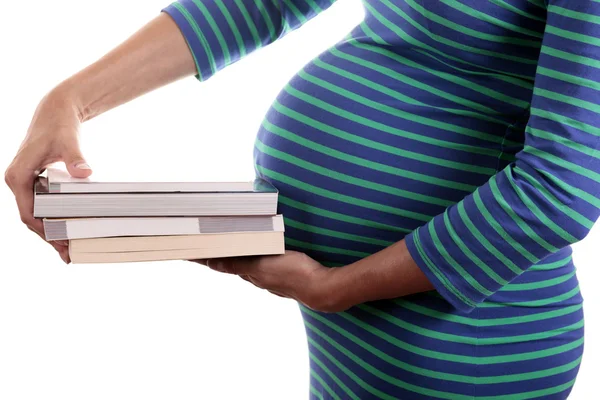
[(248, 278), (237, 265), (20, 181), (279, 294), (20, 178), (74, 160), (63, 251)]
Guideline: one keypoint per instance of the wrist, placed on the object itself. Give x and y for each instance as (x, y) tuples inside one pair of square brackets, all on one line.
[(65, 96), (334, 294)]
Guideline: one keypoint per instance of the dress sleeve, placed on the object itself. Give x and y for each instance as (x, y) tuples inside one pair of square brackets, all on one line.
[(549, 197), (220, 32)]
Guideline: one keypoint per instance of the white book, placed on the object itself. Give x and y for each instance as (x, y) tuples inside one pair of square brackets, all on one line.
[(60, 181), (59, 196), (82, 228)]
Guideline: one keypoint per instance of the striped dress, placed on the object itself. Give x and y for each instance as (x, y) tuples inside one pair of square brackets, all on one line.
[(470, 128)]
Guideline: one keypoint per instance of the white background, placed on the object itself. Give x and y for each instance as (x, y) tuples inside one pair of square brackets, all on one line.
[(171, 330)]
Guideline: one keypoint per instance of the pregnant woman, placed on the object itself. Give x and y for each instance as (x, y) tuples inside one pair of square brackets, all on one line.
[(434, 168)]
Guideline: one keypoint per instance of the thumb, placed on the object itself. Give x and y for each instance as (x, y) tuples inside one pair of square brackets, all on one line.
[(75, 162)]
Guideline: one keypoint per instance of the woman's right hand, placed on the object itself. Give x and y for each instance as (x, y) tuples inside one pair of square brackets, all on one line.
[(53, 136), (154, 56)]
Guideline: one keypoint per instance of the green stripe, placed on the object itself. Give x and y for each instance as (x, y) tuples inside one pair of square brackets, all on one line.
[(589, 18), (561, 369), (576, 80), (571, 57), (314, 6), (338, 216), (519, 287), (363, 162), (490, 19), (537, 212), (571, 166), (577, 146), (536, 303), (318, 378), (571, 190), (233, 27), (333, 376), (329, 194), (215, 28), (377, 106), (249, 23), (452, 43), (380, 126), (436, 355), (340, 235), (470, 254), (454, 78), (312, 388), (552, 199), (430, 15), (507, 207), (533, 394), (190, 19), (504, 4), (480, 237), (297, 13), (500, 229), (448, 337), (435, 270), (288, 112), (578, 37), (587, 105), (539, 3), (376, 392), (260, 4), (391, 74), (383, 356), (478, 380), (463, 273), (362, 183), (409, 39), (477, 322), (553, 265)]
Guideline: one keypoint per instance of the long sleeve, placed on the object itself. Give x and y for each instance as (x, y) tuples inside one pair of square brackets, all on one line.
[(545, 200), (221, 32)]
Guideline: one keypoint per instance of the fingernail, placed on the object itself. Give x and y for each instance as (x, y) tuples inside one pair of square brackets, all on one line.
[(82, 165)]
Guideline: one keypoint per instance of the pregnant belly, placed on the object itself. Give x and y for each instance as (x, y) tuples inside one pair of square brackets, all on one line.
[(364, 148)]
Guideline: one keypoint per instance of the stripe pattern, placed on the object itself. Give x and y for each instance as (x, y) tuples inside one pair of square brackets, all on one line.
[(470, 129)]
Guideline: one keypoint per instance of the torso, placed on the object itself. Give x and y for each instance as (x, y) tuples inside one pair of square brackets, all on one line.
[(374, 138)]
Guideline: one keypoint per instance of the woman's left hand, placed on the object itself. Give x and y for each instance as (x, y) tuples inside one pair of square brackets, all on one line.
[(293, 275)]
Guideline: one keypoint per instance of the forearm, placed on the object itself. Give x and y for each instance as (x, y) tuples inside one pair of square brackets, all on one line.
[(387, 274), (154, 56)]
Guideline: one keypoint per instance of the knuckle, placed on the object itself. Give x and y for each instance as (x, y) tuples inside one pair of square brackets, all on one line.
[(9, 176), (26, 219)]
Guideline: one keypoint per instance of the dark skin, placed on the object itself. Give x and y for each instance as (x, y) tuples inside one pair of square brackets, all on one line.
[(387, 274), (153, 57)]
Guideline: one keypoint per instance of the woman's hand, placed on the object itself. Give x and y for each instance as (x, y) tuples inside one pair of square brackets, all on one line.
[(52, 136), (154, 56), (293, 275)]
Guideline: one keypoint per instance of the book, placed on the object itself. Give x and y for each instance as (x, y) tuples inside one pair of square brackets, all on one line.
[(82, 228), (184, 247), (59, 181), (58, 195)]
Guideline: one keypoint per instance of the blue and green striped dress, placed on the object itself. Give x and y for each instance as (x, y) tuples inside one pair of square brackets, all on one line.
[(471, 128)]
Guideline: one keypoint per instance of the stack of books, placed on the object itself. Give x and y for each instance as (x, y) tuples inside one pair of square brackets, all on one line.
[(108, 222)]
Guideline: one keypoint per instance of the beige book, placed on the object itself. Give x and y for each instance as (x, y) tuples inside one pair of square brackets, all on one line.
[(186, 247)]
